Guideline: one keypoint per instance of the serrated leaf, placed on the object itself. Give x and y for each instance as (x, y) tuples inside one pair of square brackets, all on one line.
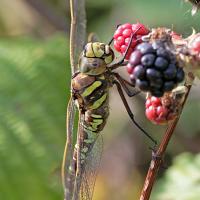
[(182, 179), (34, 88)]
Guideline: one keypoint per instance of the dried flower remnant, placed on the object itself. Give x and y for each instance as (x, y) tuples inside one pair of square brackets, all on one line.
[(188, 53)]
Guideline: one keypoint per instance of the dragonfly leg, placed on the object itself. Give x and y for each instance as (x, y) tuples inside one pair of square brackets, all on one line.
[(110, 42), (121, 61), (130, 113), (126, 85)]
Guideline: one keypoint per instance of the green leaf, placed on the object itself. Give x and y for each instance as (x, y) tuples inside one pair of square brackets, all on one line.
[(34, 88), (182, 180)]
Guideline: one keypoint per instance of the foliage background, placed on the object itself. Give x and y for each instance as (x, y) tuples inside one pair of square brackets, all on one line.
[(34, 88)]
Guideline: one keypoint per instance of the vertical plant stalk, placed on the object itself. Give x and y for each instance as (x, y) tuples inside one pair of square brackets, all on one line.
[(157, 156), (77, 41), (77, 32)]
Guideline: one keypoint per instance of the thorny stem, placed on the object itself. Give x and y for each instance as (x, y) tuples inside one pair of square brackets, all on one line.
[(157, 155)]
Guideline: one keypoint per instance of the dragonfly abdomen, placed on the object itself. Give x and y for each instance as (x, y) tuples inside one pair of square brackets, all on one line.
[(91, 93)]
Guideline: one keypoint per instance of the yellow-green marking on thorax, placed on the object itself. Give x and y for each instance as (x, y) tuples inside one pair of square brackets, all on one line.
[(91, 88)]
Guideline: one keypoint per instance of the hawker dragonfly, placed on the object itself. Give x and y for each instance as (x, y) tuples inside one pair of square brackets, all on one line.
[(93, 75)]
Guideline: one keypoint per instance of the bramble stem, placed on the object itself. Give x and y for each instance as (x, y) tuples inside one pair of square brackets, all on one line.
[(157, 156)]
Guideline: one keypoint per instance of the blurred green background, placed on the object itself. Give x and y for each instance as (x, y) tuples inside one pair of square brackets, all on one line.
[(34, 89)]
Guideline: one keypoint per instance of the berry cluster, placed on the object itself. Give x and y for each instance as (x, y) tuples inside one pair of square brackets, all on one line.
[(123, 34), (161, 110), (154, 68)]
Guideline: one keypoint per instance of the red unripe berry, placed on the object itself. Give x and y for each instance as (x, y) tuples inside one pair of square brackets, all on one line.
[(142, 31), (117, 46), (155, 101), (162, 111), (118, 33), (132, 77), (126, 26), (133, 43), (129, 68), (151, 113), (130, 50), (123, 34), (148, 103), (157, 112), (127, 33), (120, 40), (123, 48)]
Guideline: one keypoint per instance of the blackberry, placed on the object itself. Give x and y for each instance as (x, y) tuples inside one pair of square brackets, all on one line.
[(170, 72), (153, 74), (142, 84), (148, 60), (168, 85), (139, 71), (161, 63), (154, 68), (145, 48), (162, 52)]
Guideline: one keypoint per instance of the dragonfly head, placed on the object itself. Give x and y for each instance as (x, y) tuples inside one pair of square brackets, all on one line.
[(95, 58)]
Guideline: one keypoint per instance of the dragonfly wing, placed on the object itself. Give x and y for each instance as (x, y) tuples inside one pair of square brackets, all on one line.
[(67, 173), (78, 167), (87, 166), (90, 170)]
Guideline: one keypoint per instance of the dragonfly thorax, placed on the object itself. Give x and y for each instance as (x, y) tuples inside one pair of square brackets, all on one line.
[(95, 58)]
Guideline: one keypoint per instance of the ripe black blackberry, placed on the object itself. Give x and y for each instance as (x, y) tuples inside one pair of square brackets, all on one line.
[(153, 68)]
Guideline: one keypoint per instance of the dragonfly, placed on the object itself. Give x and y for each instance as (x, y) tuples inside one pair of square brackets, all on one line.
[(93, 74)]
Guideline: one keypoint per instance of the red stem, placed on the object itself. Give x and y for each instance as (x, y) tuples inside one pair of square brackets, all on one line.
[(157, 157)]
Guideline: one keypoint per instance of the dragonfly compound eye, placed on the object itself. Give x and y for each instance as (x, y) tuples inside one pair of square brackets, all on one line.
[(92, 66), (95, 57)]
